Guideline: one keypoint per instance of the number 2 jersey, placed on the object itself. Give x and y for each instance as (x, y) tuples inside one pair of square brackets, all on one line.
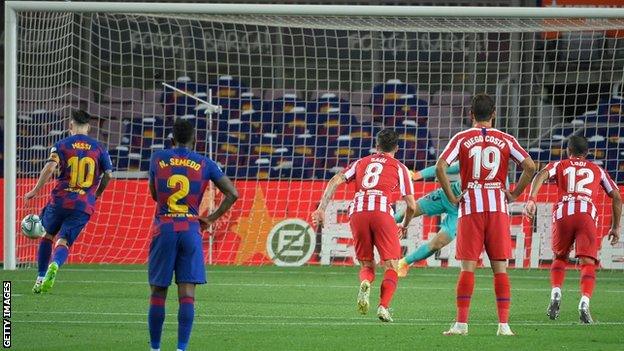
[(578, 181), (181, 177), (81, 162), (484, 155), (377, 177)]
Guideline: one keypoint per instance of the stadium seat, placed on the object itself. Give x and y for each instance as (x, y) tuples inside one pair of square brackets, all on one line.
[(226, 91), (178, 104), (323, 102), (122, 95), (293, 123), (388, 93), (152, 103), (333, 157), (302, 148), (406, 106), (119, 157)]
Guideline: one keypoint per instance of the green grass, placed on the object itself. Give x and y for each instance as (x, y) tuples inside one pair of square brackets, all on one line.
[(313, 308)]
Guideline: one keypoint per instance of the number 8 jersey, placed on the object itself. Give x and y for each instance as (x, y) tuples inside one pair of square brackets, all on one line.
[(81, 161), (180, 177), (484, 155), (376, 177)]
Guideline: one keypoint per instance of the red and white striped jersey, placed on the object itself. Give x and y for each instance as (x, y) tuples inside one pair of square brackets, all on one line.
[(376, 177), (484, 155), (577, 182)]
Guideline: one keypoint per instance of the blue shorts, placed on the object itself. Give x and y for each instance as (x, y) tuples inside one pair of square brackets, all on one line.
[(179, 252), (436, 203), (65, 222)]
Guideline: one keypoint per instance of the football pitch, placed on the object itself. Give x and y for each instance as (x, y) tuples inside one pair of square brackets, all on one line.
[(104, 307)]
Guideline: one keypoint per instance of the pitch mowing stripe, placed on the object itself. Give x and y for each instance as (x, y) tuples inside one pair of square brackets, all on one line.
[(325, 323), (306, 286)]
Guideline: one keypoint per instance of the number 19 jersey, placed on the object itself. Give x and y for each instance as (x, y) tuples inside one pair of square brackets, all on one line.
[(180, 177), (484, 155), (376, 177)]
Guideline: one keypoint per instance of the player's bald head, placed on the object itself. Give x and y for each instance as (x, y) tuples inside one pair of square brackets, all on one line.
[(183, 132), (387, 140), (483, 107), (577, 146)]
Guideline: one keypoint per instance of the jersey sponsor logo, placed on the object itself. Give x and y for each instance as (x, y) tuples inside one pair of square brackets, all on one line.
[(291, 242), (81, 146)]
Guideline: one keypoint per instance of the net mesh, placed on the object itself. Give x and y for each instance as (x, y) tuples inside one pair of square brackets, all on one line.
[(302, 97)]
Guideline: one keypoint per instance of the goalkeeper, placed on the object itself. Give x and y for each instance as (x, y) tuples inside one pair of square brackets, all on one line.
[(433, 204)]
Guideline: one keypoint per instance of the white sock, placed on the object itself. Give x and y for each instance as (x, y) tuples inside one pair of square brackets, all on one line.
[(584, 299), (555, 291), (461, 325), (154, 349)]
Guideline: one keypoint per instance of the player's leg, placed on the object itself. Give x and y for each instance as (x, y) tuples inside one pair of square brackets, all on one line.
[(156, 315), (189, 271), (470, 238), (385, 234), (72, 225), (562, 241), (430, 205), (363, 240), (186, 313), (160, 268), (586, 249), (498, 248), (51, 224)]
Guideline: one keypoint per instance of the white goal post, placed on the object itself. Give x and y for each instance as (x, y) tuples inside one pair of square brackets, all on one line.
[(254, 14)]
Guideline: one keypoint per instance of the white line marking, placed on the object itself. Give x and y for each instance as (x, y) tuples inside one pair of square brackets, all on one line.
[(318, 286), (322, 323)]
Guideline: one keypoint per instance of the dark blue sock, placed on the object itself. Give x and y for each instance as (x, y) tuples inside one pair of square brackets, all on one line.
[(186, 314), (60, 254), (43, 256), (155, 319)]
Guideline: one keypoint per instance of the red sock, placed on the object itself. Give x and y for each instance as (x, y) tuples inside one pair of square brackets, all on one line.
[(388, 286), (502, 287), (367, 273), (465, 286), (557, 273), (588, 279)]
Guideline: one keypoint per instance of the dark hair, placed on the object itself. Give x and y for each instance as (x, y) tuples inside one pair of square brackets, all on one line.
[(80, 117), (183, 131), (387, 140), (577, 145), (482, 107)]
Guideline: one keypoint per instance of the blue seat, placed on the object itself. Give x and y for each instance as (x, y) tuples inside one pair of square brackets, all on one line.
[(178, 104), (226, 91), (388, 93)]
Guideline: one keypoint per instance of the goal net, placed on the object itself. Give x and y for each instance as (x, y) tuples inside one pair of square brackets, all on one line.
[(302, 97)]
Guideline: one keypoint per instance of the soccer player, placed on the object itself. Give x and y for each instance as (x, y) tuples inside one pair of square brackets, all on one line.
[(84, 172), (178, 178), (433, 204), (371, 219), (484, 154), (574, 220)]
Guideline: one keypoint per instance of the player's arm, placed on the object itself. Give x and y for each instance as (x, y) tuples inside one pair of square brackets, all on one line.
[(152, 188), (318, 216), (528, 170), (46, 174), (106, 178), (230, 195), (616, 214), (445, 183), (538, 181), (409, 214)]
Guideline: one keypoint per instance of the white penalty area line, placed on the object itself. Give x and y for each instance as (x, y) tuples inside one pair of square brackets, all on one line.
[(306, 286), (304, 323), (293, 271)]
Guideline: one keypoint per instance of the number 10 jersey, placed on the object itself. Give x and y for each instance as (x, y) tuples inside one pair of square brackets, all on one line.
[(81, 162)]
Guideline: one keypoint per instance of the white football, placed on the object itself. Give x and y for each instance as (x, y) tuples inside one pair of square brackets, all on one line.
[(32, 227)]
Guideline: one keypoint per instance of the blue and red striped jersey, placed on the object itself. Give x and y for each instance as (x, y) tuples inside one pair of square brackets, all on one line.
[(180, 176), (81, 160)]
